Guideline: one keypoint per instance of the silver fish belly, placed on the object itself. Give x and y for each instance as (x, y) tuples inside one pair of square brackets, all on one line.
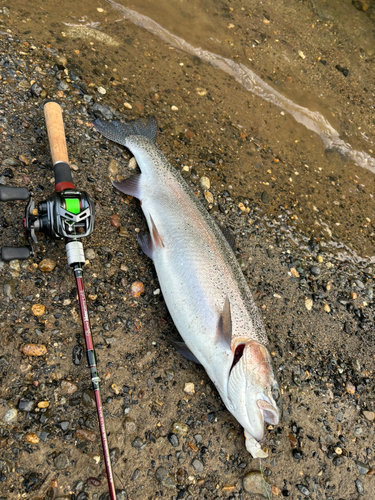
[(202, 283)]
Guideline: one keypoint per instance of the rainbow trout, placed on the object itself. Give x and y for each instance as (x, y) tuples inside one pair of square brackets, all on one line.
[(202, 284)]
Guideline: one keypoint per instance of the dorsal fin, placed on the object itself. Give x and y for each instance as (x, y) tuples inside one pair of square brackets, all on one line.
[(225, 323)]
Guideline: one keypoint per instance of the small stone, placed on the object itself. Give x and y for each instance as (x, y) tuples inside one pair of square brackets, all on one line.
[(123, 232), (68, 387), (85, 434), (189, 388), (137, 288), (205, 182), (26, 405), (34, 349), (38, 309), (36, 89), (174, 108), (353, 295), (209, 197), (43, 404), (254, 483), (350, 387), (112, 168), (294, 272), (164, 478), (90, 254), (308, 304), (115, 389), (264, 197), (275, 490), (337, 461), (326, 308), (338, 450), (138, 443), (197, 464), (127, 105), (315, 271), (24, 85), (359, 486), (302, 488), (200, 91), (129, 425), (362, 467), (180, 428), (293, 440), (319, 259), (32, 438), (115, 220), (47, 265), (93, 481), (132, 163), (173, 439), (10, 416), (102, 90), (301, 54), (369, 415), (360, 5), (23, 160), (227, 487), (61, 461)]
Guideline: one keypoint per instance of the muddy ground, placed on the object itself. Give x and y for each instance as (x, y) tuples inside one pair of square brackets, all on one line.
[(302, 216)]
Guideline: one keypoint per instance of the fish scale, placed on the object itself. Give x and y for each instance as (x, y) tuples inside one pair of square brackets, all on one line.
[(202, 283)]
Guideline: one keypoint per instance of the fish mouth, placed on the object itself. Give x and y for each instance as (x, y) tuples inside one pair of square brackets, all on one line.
[(269, 413)]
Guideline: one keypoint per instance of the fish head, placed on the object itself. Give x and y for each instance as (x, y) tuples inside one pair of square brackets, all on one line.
[(253, 392)]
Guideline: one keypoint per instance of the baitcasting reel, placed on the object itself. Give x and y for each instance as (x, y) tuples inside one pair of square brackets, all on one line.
[(67, 215)]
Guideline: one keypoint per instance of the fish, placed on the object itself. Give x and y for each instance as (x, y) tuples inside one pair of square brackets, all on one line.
[(202, 283)]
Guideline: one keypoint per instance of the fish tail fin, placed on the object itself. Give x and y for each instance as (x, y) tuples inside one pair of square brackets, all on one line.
[(117, 131)]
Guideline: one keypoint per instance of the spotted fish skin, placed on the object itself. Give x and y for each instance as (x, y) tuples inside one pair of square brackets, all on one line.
[(198, 274)]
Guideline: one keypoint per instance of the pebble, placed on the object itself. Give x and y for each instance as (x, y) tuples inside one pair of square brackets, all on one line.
[(132, 163), (86, 434), (47, 265), (180, 428), (90, 254), (129, 425), (362, 467), (138, 443), (61, 461), (68, 387), (294, 272), (174, 108), (32, 438), (209, 197), (350, 387), (302, 488), (369, 415), (200, 91), (43, 404), (115, 220), (205, 182), (34, 349), (38, 309), (189, 388), (102, 111), (326, 308), (10, 416), (88, 399), (102, 90), (359, 486), (198, 465), (173, 439), (112, 168), (26, 405), (254, 483), (308, 304), (137, 288), (315, 271), (93, 481), (127, 105), (164, 478)]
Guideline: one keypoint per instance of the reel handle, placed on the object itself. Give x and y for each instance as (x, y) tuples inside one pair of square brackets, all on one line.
[(14, 253), (13, 193), (57, 142)]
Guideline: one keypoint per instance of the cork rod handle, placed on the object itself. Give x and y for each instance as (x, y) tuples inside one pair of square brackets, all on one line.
[(56, 133)]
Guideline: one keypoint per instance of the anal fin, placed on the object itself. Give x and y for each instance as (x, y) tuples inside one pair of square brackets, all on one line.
[(130, 186)]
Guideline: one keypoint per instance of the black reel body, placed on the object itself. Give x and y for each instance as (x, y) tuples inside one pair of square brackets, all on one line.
[(67, 215)]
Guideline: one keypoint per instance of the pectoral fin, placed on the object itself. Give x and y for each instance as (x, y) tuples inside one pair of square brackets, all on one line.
[(130, 186), (224, 328), (156, 238), (145, 242), (183, 349)]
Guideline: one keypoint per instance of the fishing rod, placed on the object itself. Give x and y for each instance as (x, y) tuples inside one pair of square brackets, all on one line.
[(67, 215)]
